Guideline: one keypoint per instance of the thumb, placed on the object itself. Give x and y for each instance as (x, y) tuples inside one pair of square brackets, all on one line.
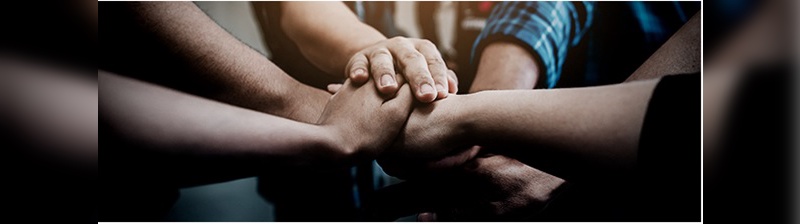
[(402, 103), (333, 88)]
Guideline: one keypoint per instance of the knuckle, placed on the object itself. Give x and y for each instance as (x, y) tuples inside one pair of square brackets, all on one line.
[(427, 43), (358, 62), (411, 56), (398, 39), (383, 68), (436, 60), (423, 77), (382, 52)]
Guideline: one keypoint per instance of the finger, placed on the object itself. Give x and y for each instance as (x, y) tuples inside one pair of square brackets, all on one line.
[(402, 103), (415, 69), (333, 88), (436, 67), (452, 81), (382, 71), (400, 79), (371, 98), (357, 68)]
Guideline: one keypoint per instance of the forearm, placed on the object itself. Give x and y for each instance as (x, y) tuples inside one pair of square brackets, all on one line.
[(597, 124), (505, 65), (194, 129), (679, 55), (231, 71), (327, 33)]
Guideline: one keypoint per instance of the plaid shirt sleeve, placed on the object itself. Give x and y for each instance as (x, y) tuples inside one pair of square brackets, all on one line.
[(546, 29)]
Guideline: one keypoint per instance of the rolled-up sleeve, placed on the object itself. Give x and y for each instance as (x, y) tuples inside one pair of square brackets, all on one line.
[(546, 29)]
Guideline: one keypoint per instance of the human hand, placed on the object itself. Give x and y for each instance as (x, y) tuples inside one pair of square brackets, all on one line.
[(506, 189), (418, 60), (360, 122), (434, 138), (491, 187)]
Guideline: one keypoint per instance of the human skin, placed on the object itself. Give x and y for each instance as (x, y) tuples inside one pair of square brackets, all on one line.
[(508, 66), (679, 55), (488, 187), (332, 38), (222, 68), (505, 65), (215, 62), (519, 189), (173, 123), (597, 127)]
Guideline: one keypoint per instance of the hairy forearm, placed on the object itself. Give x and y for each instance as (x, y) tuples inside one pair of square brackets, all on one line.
[(240, 75), (197, 129), (327, 33), (505, 65)]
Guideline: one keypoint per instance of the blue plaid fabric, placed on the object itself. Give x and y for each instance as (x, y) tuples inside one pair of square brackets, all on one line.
[(548, 29)]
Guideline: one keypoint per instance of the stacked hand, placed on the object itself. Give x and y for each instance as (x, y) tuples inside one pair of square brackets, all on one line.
[(362, 122), (419, 61), (427, 143), (428, 138), (428, 147)]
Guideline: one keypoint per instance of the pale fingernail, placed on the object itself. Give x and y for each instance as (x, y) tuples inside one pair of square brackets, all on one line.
[(426, 88), (387, 80), (359, 72), (440, 88)]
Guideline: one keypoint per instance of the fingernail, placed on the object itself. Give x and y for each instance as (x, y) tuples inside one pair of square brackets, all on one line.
[(387, 80), (426, 88), (440, 88), (358, 72)]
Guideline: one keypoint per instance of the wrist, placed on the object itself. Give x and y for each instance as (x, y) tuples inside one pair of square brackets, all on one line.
[(462, 111), (468, 117), (333, 145), (303, 103)]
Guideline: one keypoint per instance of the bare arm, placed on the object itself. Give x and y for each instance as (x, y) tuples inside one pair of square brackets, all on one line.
[(595, 126), (168, 122), (228, 70), (679, 55), (505, 65), (327, 33), (333, 39)]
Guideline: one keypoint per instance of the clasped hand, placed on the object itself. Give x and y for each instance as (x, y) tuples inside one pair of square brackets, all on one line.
[(416, 141), (366, 124)]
